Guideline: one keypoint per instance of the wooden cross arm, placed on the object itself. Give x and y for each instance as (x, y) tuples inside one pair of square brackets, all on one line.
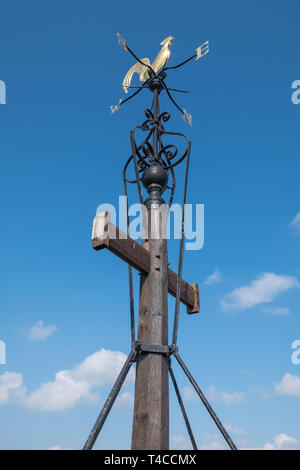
[(107, 235)]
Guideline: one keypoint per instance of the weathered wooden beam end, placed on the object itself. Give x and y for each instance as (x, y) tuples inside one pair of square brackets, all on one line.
[(196, 307), (101, 231), (107, 235)]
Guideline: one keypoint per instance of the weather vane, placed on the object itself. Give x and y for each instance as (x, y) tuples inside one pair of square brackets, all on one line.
[(155, 157), (156, 70)]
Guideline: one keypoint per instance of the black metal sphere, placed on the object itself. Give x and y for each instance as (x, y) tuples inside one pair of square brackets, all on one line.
[(155, 84), (155, 175)]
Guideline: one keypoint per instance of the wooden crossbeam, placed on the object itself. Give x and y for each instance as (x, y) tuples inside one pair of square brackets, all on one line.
[(107, 235)]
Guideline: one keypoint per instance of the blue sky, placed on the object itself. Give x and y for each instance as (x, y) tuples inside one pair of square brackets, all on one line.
[(63, 306)]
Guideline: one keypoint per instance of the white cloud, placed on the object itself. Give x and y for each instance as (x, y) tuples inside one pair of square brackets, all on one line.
[(39, 331), (101, 367), (234, 429), (260, 392), (125, 401), (295, 225), (214, 278), (69, 387), (72, 386), (179, 443), (280, 311), (280, 442), (263, 289), (189, 394), (289, 385), (226, 397), (63, 393), (11, 387), (60, 448), (215, 443)]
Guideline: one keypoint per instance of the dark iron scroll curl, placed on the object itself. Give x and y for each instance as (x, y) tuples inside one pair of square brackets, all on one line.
[(144, 154)]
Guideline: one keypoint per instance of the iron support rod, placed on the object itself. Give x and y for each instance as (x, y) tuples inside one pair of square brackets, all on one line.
[(109, 402), (155, 114), (186, 420), (131, 293), (206, 403), (179, 65), (181, 250), (131, 302)]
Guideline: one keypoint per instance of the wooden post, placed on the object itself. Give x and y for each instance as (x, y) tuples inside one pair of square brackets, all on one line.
[(151, 406)]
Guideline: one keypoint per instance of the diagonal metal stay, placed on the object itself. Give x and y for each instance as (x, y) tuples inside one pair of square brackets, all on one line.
[(166, 351), (186, 420), (206, 403), (109, 402)]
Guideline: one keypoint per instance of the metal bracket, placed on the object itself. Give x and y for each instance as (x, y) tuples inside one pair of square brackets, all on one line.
[(154, 348)]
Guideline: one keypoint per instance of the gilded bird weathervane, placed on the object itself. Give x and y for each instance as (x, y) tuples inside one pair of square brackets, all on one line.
[(156, 70)]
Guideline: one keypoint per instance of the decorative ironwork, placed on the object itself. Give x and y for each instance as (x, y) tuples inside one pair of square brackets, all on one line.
[(157, 70), (153, 148), (154, 160)]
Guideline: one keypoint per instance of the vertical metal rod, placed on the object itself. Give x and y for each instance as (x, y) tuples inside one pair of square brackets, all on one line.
[(133, 146), (131, 301), (206, 403), (181, 250), (155, 115), (131, 294), (109, 402), (186, 420)]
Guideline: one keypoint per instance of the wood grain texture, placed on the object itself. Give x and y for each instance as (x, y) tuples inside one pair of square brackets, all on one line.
[(107, 235), (150, 430)]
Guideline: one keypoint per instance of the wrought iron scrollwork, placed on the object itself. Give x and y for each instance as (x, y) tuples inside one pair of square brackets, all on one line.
[(154, 149)]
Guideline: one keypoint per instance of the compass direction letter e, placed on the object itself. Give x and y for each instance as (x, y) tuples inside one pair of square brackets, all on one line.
[(202, 50)]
